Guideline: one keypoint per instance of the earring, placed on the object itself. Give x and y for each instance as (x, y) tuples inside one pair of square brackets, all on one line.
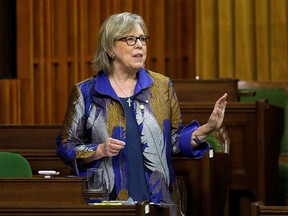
[(112, 56)]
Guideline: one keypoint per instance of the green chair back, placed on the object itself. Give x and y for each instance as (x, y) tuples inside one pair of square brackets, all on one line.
[(14, 165), (219, 140), (214, 143)]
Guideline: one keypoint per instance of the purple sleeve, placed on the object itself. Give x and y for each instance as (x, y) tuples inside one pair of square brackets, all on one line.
[(185, 142)]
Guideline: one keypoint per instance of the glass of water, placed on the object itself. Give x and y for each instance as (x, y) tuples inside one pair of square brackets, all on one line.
[(95, 180)]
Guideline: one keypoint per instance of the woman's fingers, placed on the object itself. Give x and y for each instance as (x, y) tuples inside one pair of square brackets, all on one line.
[(217, 114), (221, 102), (113, 146)]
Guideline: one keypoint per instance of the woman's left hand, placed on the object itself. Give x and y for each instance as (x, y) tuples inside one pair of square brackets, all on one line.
[(217, 116)]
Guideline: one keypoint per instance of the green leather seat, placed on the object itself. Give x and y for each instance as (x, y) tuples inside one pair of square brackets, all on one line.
[(14, 165)]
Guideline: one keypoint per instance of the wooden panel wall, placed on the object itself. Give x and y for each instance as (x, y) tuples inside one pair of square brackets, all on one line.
[(56, 41)]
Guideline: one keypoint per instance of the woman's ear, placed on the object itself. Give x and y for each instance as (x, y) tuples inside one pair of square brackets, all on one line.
[(111, 54)]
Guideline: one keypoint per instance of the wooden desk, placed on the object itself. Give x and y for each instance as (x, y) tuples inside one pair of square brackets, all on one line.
[(84, 210), (41, 191), (59, 196), (199, 177), (70, 210)]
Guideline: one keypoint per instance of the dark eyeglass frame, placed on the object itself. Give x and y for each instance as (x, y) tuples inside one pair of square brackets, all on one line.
[(132, 40)]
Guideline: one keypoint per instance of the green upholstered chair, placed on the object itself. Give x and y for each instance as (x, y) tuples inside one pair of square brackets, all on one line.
[(214, 143), (14, 165), (219, 140)]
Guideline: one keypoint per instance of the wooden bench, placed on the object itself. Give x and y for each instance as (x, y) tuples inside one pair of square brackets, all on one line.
[(259, 209), (37, 143), (277, 94), (255, 130), (205, 90)]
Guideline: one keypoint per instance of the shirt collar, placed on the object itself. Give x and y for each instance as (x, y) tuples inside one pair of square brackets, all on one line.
[(103, 86)]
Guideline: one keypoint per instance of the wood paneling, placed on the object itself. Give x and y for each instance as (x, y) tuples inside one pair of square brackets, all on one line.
[(10, 101), (56, 41)]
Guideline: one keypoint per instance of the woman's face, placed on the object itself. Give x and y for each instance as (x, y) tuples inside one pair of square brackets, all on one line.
[(130, 58)]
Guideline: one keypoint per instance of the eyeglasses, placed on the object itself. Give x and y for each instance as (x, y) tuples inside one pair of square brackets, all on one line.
[(131, 40)]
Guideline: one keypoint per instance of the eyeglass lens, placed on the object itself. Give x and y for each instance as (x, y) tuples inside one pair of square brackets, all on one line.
[(132, 40)]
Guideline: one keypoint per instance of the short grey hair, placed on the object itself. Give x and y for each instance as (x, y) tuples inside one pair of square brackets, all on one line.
[(113, 28)]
